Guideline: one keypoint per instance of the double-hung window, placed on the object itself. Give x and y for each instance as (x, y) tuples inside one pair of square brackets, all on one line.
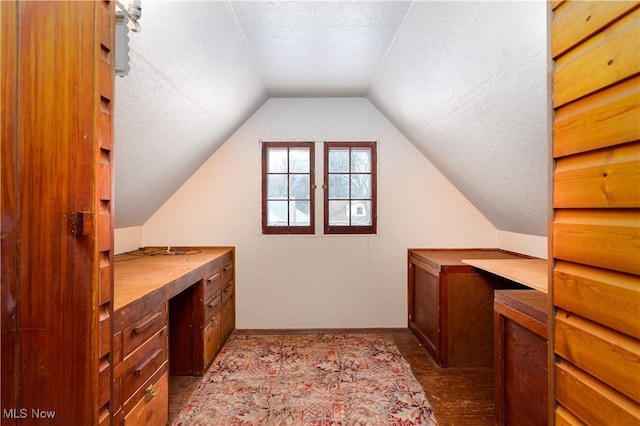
[(350, 188), (287, 188)]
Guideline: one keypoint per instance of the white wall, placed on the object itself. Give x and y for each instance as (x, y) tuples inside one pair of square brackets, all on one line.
[(127, 239), (532, 245), (319, 281)]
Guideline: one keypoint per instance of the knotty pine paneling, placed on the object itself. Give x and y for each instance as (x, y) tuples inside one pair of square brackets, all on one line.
[(599, 179), (605, 118), (576, 21), (608, 238), (607, 297), (595, 234), (565, 418), (592, 401), (608, 57), (585, 344)]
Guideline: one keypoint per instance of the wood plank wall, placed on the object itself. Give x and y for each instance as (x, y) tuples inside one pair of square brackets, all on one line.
[(595, 239)]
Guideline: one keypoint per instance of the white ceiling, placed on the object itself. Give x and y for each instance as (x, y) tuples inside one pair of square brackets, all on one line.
[(466, 82)]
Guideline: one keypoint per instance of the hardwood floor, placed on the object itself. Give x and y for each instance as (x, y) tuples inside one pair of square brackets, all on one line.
[(458, 396)]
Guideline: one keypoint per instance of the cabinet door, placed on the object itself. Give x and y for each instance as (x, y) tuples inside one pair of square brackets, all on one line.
[(228, 318), (211, 339), (426, 310)]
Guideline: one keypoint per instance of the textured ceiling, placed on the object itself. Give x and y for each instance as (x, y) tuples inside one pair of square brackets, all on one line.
[(466, 82)]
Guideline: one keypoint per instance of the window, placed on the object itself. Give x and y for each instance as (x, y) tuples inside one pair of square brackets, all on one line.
[(288, 202), (287, 188), (350, 196)]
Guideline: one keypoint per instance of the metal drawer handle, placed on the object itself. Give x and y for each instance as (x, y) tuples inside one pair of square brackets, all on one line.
[(145, 364), (227, 287), (150, 393), (227, 267), (213, 278), (142, 327)]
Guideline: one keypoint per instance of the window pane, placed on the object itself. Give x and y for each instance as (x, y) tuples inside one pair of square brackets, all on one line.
[(299, 160), (361, 213), (277, 187), (299, 186), (277, 213), (360, 160), (338, 160), (277, 160), (299, 213), (339, 213), (338, 186), (360, 186)]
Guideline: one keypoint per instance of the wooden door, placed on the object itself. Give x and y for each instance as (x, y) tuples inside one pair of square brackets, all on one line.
[(596, 199), (57, 232)]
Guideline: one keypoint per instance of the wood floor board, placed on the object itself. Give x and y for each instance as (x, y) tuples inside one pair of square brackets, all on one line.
[(458, 396)]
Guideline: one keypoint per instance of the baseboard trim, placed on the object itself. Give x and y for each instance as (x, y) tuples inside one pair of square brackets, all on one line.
[(316, 330)]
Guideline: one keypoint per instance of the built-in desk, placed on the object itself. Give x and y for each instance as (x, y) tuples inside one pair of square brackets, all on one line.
[(173, 311), (450, 304), (521, 341), (532, 273)]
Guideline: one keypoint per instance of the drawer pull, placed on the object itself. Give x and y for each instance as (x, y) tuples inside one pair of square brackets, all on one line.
[(142, 327), (227, 267), (149, 393), (212, 304), (214, 321), (227, 288), (146, 362), (213, 278)]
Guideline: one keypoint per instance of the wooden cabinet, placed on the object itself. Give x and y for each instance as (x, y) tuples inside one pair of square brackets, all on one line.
[(173, 314), (521, 353), (57, 147), (141, 362), (219, 307), (450, 304)]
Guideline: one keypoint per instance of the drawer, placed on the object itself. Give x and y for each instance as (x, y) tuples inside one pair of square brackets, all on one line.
[(143, 362), (227, 269), (211, 339), (212, 279), (138, 332), (153, 407), (212, 306), (227, 291)]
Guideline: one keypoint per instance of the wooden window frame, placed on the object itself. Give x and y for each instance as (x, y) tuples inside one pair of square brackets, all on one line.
[(352, 229), (279, 230)]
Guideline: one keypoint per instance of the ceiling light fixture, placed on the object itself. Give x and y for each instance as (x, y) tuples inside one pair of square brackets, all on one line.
[(131, 12)]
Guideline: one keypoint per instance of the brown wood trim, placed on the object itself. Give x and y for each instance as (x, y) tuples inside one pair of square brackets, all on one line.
[(280, 230), (314, 330), (329, 229), (528, 322)]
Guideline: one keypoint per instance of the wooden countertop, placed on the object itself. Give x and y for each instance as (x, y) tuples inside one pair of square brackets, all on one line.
[(138, 275), (529, 272), (454, 257)]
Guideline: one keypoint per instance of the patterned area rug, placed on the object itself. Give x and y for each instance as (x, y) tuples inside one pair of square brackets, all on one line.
[(308, 379)]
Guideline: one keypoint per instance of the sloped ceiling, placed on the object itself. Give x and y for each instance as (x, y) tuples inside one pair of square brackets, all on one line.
[(466, 82)]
